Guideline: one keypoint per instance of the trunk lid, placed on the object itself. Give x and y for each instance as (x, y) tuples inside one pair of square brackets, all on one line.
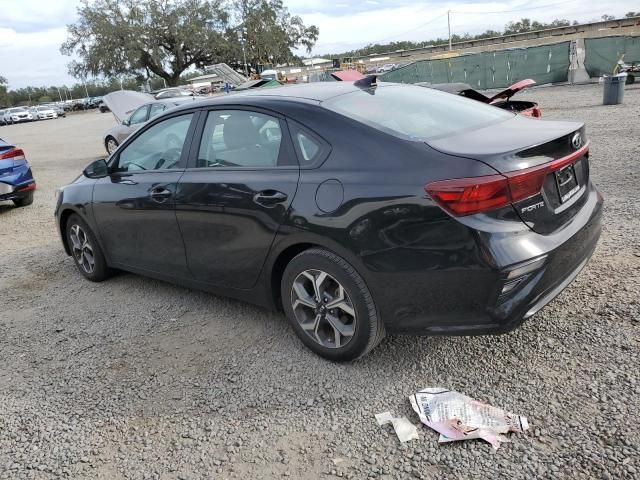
[(553, 153), (509, 92)]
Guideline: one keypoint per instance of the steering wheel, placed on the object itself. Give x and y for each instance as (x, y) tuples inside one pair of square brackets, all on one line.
[(169, 158)]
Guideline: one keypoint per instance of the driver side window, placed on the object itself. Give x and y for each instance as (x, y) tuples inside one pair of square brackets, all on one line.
[(159, 147)]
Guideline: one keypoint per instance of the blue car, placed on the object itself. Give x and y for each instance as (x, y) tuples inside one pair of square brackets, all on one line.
[(16, 180)]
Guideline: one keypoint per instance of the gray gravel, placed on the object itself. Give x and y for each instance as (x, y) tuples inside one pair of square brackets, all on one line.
[(135, 378)]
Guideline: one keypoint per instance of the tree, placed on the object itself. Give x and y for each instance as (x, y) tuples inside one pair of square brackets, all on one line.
[(144, 37), (270, 32), (4, 98), (164, 38), (606, 18), (632, 14)]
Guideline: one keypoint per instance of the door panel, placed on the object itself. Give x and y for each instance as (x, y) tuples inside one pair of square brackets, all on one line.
[(230, 208), (139, 229), (134, 206), (227, 234)]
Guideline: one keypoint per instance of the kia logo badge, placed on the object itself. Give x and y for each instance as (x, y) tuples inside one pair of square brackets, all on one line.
[(576, 141)]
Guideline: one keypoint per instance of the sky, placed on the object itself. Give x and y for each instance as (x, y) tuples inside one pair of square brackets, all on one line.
[(31, 31)]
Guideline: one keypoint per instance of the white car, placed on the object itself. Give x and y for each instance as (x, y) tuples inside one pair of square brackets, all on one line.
[(17, 115), (45, 113)]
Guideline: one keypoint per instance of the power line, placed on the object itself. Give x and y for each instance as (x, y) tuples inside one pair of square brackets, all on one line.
[(515, 10), (413, 29)]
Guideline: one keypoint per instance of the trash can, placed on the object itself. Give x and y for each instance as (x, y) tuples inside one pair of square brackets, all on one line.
[(614, 89)]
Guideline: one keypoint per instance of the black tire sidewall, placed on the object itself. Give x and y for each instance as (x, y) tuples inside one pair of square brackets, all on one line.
[(366, 316), (100, 270), (24, 201), (106, 144)]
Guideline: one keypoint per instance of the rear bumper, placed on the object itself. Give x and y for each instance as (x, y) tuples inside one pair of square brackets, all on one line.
[(17, 184), (565, 254)]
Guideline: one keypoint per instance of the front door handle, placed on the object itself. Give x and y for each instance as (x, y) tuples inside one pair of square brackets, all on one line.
[(160, 194), (269, 198)]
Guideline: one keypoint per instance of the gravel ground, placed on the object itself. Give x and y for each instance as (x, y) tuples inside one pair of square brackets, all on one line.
[(135, 378)]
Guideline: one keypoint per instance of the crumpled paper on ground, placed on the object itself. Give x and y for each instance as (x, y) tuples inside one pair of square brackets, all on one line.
[(458, 417), (405, 430)]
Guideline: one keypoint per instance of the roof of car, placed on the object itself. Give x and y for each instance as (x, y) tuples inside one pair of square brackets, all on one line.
[(315, 92)]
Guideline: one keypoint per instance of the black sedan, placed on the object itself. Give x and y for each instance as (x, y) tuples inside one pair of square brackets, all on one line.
[(358, 209)]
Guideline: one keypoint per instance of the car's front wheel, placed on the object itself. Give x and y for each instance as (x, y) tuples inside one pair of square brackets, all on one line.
[(329, 306), (111, 145), (85, 250)]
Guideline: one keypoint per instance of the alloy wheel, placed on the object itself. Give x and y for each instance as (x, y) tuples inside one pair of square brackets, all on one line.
[(323, 308), (82, 250)]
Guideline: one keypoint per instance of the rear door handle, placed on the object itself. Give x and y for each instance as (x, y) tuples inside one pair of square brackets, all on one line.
[(160, 194), (269, 198)]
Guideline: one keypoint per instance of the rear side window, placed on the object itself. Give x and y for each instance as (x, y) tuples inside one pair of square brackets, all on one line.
[(240, 138), (415, 113), (311, 149)]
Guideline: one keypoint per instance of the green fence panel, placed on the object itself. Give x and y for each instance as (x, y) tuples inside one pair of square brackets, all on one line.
[(497, 69), (602, 54)]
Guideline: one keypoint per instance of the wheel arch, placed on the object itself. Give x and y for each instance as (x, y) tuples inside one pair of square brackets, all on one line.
[(291, 247)]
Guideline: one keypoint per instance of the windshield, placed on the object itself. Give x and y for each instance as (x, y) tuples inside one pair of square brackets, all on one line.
[(17, 110), (414, 113)]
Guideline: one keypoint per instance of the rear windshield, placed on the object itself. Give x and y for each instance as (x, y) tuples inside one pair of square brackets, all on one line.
[(414, 113)]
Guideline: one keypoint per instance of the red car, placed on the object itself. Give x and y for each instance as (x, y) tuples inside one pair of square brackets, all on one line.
[(500, 100)]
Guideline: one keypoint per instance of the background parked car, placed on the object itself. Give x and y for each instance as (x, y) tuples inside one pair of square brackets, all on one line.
[(59, 109), (132, 110), (17, 115), (173, 92), (44, 112), (103, 107), (16, 180), (2, 122)]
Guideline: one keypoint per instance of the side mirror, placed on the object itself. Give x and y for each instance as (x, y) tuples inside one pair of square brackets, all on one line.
[(97, 169), (126, 122)]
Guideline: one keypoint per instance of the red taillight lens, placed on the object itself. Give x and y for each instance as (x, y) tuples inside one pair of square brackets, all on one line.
[(13, 153), (466, 196), (28, 188)]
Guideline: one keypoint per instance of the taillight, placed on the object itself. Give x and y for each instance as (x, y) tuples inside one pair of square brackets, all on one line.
[(466, 196), (536, 112), (15, 153)]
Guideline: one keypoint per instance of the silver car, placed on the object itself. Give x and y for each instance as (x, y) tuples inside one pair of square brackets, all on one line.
[(45, 113), (17, 115), (132, 110)]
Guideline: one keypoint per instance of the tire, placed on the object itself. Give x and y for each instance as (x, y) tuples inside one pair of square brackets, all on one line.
[(339, 284), (84, 238), (24, 201), (112, 143)]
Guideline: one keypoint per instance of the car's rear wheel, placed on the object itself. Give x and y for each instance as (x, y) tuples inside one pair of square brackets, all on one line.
[(111, 145), (24, 201), (85, 250), (329, 306)]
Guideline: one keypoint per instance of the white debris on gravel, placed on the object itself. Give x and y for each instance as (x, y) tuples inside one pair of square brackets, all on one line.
[(458, 417), (223, 392), (405, 430)]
